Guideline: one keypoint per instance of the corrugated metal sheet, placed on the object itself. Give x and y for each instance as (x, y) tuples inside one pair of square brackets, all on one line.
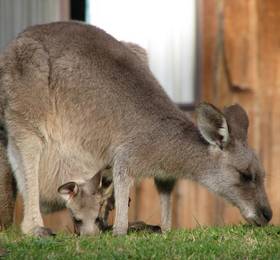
[(16, 15)]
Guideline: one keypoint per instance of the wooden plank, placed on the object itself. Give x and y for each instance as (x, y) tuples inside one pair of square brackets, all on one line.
[(148, 203), (239, 42), (269, 71), (208, 34)]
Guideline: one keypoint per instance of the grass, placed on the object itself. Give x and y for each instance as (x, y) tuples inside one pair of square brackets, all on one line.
[(232, 242)]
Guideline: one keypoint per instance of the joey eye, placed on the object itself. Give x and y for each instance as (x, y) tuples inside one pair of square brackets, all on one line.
[(246, 177)]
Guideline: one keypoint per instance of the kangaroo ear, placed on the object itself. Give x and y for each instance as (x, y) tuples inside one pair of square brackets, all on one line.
[(212, 125), (68, 190), (238, 121)]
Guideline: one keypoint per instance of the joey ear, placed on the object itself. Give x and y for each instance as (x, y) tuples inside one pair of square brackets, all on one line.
[(94, 184), (68, 190), (96, 181), (212, 125), (238, 121), (107, 193)]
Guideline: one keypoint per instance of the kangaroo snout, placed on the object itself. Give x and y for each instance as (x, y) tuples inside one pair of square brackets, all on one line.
[(266, 213), (259, 217), (263, 209), (263, 216)]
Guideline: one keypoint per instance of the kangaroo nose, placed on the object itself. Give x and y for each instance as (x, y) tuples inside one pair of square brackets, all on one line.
[(267, 213)]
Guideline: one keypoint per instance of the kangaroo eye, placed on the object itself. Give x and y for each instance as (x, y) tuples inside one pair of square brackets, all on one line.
[(246, 177)]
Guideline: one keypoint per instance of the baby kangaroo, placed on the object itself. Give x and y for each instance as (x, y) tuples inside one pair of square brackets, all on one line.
[(76, 100), (84, 199)]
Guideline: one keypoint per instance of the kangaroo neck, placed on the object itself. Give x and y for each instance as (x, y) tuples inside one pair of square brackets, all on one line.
[(188, 155)]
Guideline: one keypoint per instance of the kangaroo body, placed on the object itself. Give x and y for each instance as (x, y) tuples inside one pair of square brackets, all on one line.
[(76, 101)]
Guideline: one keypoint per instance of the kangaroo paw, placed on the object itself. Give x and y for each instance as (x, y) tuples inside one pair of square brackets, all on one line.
[(142, 226), (119, 231), (42, 232)]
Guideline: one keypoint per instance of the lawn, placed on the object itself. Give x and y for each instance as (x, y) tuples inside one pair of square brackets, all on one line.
[(232, 242)]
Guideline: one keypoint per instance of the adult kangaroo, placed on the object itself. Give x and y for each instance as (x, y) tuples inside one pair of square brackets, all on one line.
[(77, 101)]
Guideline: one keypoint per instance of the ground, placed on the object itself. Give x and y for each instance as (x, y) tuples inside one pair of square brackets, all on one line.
[(232, 242)]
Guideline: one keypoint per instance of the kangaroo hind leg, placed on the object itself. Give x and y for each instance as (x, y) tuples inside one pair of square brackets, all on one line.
[(24, 151)]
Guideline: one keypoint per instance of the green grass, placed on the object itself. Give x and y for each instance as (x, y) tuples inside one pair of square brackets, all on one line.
[(232, 242)]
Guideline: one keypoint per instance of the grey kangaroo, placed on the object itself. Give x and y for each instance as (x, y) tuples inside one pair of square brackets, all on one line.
[(77, 101), (89, 202)]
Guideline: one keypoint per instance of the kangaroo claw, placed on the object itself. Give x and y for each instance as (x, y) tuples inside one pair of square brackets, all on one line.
[(42, 232)]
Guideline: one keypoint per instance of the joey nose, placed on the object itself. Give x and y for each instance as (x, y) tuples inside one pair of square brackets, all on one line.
[(267, 213)]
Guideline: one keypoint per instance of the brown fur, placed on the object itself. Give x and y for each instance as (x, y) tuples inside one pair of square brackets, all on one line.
[(6, 190), (76, 101)]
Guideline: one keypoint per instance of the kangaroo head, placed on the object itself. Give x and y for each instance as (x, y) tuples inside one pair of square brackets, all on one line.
[(235, 171), (83, 201)]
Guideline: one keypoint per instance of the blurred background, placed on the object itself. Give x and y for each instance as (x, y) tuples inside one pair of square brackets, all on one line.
[(221, 51)]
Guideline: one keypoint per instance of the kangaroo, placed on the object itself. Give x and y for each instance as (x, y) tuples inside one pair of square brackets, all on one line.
[(83, 200), (76, 101), (89, 202)]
